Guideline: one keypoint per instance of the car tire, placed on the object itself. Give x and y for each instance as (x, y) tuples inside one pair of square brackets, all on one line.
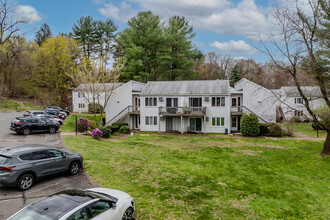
[(52, 130), (128, 214), (26, 131), (74, 168), (25, 182)]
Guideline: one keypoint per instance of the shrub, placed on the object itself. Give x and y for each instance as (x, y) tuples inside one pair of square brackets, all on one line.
[(263, 129), (106, 132), (96, 133), (114, 128), (295, 119), (275, 130), (92, 125), (120, 124), (124, 129), (95, 108), (82, 124), (250, 125)]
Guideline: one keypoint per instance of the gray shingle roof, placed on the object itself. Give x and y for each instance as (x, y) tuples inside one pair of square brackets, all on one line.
[(196, 87), (309, 91), (108, 86)]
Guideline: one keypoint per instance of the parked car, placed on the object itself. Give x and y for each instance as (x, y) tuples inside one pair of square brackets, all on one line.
[(29, 125), (94, 203), (33, 113), (53, 118), (58, 108), (55, 112), (21, 166)]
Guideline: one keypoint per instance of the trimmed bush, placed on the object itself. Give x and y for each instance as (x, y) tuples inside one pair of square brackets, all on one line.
[(250, 125), (275, 130), (106, 132), (120, 124), (295, 119), (124, 129), (263, 129), (97, 134), (82, 124), (114, 128), (95, 108)]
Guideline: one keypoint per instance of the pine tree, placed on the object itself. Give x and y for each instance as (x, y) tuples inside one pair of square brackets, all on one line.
[(234, 76), (43, 33)]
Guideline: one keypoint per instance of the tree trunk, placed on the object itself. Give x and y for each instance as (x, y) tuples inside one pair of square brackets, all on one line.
[(326, 146)]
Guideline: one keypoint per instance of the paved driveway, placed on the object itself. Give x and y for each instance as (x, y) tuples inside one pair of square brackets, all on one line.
[(12, 200)]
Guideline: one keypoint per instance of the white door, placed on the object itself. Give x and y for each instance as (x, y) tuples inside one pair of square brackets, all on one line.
[(234, 123)]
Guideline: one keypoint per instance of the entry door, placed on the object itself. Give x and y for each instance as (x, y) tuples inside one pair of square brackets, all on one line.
[(136, 103), (169, 124), (171, 105), (234, 123), (195, 124)]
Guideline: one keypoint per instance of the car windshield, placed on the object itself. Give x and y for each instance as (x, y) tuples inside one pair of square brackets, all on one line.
[(28, 214)]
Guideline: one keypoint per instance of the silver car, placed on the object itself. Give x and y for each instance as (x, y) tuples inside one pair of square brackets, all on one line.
[(22, 166), (95, 204)]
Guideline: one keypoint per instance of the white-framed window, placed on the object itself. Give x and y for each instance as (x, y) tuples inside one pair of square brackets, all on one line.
[(299, 100), (150, 101), (298, 113), (218, 121), (219, 101), (151, 120), (81, 105), (79, 95)]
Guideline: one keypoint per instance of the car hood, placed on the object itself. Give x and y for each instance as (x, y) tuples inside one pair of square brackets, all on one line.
[(120, 195)]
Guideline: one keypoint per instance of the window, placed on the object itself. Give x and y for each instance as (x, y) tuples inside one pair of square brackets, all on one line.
[(150, 101), (82, 214), (298, 101), (195, 102), (219, 101), (99, 207), (54, 153), (81, 105), (79, 95), (218, 121), (39, 155), (151, 120), (298, 113), (27, 156)]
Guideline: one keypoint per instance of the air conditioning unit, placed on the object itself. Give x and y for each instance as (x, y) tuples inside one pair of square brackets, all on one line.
[(207, 99), (162, 118), (160, 99), (207, 118)]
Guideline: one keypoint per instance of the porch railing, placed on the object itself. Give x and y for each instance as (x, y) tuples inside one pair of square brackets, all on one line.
[(182, 110)]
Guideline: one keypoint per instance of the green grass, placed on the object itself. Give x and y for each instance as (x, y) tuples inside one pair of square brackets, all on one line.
[(12, 105), (212, 178), (69, 123), (306, 128)]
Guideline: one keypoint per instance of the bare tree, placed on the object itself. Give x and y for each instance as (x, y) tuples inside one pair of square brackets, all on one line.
[(9, 21), (297, 45), (98, 83)]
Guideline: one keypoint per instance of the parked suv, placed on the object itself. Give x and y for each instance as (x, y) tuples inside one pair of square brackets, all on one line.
[(53, 118), (33, 124), (21, 166), (58, 108), (55, 112), (33, 113)]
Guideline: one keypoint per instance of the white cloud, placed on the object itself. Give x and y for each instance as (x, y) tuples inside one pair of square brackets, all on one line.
[(234, 47), (122, 13), (29, 13)]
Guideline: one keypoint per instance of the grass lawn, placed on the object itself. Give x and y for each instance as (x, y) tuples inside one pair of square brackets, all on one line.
[(12, 105), (212, 178), (307, 129), (69, 123)]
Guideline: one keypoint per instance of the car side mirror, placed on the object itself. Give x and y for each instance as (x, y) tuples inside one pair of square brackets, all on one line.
[(64, 155), (114, 206)]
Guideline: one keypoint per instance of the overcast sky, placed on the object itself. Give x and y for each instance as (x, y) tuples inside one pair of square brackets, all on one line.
[(224, 26)]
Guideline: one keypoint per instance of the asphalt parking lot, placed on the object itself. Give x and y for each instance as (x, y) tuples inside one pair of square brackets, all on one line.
[(11, 199)]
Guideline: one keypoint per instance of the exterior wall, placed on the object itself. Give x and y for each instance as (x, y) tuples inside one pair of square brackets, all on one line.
[(259, 100), (183, 101), (118, 101), (289, 113), (85, 98)]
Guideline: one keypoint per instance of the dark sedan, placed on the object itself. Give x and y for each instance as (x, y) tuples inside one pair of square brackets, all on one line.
[(27, 126), (21, 166)]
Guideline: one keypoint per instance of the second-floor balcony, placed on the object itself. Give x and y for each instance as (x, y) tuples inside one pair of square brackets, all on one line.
[(184, 111), (236, 110), (133, 109)]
